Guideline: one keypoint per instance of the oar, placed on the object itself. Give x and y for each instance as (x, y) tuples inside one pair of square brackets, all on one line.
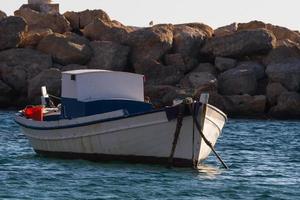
[(205, 100)]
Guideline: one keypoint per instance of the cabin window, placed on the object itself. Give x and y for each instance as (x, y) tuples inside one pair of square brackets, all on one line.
[(73, 77)]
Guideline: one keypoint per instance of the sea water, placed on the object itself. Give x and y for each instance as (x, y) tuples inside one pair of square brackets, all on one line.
[(263, 156)]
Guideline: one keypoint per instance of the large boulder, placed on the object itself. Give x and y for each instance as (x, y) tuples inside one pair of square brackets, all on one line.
[(19, 65), (79, 20), (2, 15), (186, 63), (36, 20), (223, 64), (251, 25), (240, 43), (108, 55), (237, 81), (150, 43), (281, 33), (198, 79), (206, 67), (11, 32), (288, 106), (225, 30), (245, 105), (274, 90), (5, 95), (164, 95), (32, 38), (51, 78), (65, 50), (284, 51), (174, 59), (257, 68), (156, 93), (77, 39), (72, 67), (288, 74), (187, 40), (207, 30), (239, 105), (106, 31), (159, 74)]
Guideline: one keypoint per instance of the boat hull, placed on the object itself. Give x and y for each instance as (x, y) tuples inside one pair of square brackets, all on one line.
[(146, 138)]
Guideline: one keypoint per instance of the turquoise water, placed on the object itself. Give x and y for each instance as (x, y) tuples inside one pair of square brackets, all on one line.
[(263, 156)]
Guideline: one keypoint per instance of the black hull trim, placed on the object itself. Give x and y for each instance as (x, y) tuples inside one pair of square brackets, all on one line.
[(177, 162)]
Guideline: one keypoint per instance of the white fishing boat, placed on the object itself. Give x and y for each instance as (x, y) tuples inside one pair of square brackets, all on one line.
[(103, 116)]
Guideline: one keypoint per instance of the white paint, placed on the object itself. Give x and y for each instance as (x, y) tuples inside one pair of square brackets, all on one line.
[(90, 85)]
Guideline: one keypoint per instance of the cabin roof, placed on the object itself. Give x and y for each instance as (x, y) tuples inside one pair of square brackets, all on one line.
[(86, 71), (88, 85)]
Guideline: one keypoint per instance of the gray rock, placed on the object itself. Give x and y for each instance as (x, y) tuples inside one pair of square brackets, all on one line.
[(274, 90), (79, 20), (65, 50), (240, 44), (237, 81), (18, 65), (281, 33), (285, 51), (150, 43), (36, 20), (5, 95), (77, 39), (257, 68), (245, 105), (206, 67), (11, 32), (106, 31), (51, 78), (157, 92), (159, 74), (223, 64), (187, 40), (207, 30), (288, 106), (225, 30), (163, 95), (109, 55), (288, 74), (185, 63), (2, 15), (239, 105), (32, 38), (174, 59), (72, 67), (198, 79)]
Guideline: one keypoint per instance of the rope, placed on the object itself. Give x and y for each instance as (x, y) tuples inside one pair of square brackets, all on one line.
[(55, 97), (208, 143), (193, 139), (177, 132)]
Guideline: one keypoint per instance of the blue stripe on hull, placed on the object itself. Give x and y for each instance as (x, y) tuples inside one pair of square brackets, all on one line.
[(171, 113)]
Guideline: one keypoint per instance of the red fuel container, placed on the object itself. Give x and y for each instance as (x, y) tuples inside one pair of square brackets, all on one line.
[(34, 112)]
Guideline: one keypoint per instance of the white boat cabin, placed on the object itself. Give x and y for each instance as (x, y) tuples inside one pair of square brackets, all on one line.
[(92, 91)]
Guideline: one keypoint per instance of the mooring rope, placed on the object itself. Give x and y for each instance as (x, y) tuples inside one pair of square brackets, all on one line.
[(55, 97), (177, 132)]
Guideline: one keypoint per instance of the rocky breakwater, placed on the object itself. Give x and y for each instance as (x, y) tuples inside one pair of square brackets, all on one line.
[(249, 69)]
